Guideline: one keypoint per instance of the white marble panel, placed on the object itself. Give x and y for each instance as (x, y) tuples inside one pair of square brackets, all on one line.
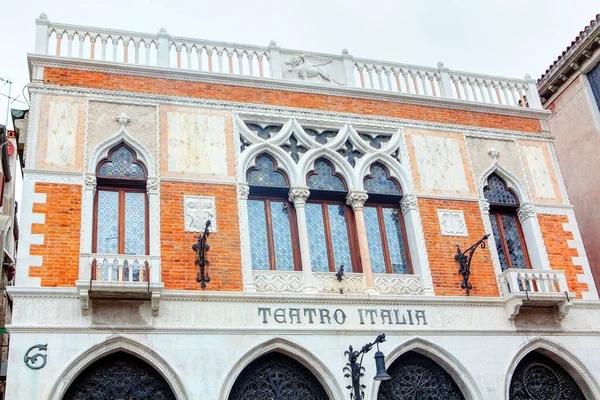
[(439, 162), (197, 210), (196, 143), (538, 169), (452, 222), (62, 129)]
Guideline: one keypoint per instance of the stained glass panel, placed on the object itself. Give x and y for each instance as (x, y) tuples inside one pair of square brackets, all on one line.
[(498, 241), (324, 179), (258, 239), (339, 237), (496, 192), (396, 247), (107, 237), (316, 237), (265, 174), (135, 223), (380, 183), (513, 241), (282, 236), (374, 240), (121, 166)]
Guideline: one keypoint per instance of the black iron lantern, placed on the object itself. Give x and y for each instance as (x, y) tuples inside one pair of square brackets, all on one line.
[(201, 261), (354, 368)]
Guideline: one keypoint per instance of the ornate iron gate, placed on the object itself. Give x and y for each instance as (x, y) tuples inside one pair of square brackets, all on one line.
[(277, 377), (119, 376), (417, 377), (537, 377)]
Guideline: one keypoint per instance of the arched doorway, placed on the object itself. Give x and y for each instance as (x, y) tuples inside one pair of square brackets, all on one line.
[(119, 376), (415, 376), (538, 377), (276, 376)]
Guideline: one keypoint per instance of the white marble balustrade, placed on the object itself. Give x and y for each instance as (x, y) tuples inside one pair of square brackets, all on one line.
[(122, 267), (166, 51), (515, 280)]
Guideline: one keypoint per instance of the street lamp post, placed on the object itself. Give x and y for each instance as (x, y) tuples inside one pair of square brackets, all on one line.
[(355, 370)]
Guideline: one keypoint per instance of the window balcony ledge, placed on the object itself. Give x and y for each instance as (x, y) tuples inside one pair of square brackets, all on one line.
[(119, 290), (535, 288)]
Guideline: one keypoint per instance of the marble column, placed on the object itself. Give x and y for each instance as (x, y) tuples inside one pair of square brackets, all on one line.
[(247, 278), (356, 200), (533, 236), (298, 196)]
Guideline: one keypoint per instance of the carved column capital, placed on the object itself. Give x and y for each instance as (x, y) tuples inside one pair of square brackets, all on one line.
[(90, 182), (356, 199), (152, 186), (408, 203), (299, 195), (243, 191), (484, 206), (527, 210)]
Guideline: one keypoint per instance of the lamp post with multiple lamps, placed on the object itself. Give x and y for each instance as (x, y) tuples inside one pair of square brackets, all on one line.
[(355, 370)]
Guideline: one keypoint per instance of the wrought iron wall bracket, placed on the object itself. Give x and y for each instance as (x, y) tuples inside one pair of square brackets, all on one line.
[(464, 260), (355, 370), (201, 261)]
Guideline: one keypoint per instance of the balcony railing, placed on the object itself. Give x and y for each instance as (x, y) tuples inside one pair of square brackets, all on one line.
[(536, 288), (166, 51), (119, 276)]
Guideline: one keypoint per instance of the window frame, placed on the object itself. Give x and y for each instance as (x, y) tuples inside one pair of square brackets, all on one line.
[(122, 186), (267, 199), (379, 206), (350, 231)]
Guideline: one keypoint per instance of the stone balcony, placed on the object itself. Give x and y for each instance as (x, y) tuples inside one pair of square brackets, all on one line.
[(273, 63), (119, 276), (535, 288)]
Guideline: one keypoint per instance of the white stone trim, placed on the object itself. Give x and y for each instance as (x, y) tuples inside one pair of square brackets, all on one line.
[(33, 125), (25, 260), (112, 345), (53, 176), (573, 365)]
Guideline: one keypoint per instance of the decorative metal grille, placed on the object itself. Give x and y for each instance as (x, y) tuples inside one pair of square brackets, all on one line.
[(537, 377), (120, 376), (417, 377), (277, 377)]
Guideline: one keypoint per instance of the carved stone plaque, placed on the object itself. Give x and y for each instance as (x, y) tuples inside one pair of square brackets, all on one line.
[(452, 222), (197, 210)]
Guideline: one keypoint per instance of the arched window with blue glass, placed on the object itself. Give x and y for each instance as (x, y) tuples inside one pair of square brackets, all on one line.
[(330, 222), (271, 218), (508, 235), (121, 204), (386, 235)]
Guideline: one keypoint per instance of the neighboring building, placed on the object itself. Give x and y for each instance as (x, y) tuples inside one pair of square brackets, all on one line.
[(302, 162), (570, 88)]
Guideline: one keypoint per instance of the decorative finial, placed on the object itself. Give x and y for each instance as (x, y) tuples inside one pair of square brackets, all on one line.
[(494, 153), (440, 64), (344, 52), (162, 29), (123, 119), (272, 43), (43, 16), (527, 76)]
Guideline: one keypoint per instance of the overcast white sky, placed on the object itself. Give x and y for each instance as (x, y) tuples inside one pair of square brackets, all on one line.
[(500, 37)]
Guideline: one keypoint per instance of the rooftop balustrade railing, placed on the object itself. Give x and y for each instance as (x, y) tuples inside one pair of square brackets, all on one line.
[(166, 51)]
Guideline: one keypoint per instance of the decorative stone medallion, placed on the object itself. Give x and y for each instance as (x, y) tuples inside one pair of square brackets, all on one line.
[(197, 210), (452, 222)]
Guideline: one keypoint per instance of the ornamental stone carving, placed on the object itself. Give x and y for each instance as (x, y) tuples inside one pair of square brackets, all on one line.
[(356, 199), (306, 69), (494, 153), (197, 210), (123, 119), (299, 195), (526, 211), (452, 223), (90, 182), (243, 192), (408, 203), (278, 281), (484, 206), (398, 284), (152, 185)]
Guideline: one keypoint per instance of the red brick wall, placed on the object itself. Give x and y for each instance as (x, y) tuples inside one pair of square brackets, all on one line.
[(559, 253), (61, 231), (178, 268), (100, 80), (442, 249)]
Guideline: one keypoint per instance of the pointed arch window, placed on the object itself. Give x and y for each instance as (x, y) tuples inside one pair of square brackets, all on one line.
[(121, 204), (330, 222), (271, 218), (386, 235), (506, 228)]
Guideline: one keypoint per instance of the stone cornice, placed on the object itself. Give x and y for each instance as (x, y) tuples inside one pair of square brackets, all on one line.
[(275, 84)]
